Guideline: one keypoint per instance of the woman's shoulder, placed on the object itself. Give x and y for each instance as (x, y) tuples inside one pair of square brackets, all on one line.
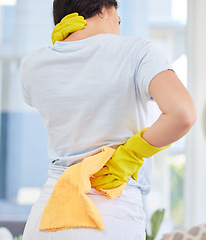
[(137, 44), (129, 39), (31, 56)]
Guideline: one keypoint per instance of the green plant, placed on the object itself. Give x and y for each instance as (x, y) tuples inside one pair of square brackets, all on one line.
[(18, 238), (156, 221)]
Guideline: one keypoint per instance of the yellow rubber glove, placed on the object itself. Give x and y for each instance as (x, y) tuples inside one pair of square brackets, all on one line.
[(125, 163), (71, 23)]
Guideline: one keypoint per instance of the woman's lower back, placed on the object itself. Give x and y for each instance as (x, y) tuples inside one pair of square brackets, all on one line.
[(123, 217)]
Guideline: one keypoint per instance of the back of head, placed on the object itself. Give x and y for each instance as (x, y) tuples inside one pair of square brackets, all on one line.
[(85, 8)]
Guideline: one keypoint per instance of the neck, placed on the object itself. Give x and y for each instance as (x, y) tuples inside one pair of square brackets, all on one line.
[(93, 27)]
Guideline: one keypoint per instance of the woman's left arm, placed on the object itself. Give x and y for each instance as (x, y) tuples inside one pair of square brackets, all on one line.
[(177, 107)]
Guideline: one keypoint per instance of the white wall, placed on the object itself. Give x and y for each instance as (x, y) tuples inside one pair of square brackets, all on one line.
[(195, 182)]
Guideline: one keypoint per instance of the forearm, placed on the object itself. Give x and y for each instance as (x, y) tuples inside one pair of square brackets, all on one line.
[(168, 129)]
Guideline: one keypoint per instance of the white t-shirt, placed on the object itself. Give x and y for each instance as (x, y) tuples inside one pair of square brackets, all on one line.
[(92, 93)]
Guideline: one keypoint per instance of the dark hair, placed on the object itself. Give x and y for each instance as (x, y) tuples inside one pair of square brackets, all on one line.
[(85, 8)]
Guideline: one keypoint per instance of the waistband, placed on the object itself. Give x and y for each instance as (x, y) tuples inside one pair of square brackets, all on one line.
[(55, 171)]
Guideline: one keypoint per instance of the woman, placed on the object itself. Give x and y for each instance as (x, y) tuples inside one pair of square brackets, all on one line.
[(91, 89)]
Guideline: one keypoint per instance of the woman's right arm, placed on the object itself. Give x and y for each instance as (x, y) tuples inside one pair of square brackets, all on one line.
[(177, 107)]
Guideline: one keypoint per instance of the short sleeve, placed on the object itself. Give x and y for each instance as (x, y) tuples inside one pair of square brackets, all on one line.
[(24, 86), (149, 62)]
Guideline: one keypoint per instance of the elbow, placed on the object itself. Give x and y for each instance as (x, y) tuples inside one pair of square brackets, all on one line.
[(188, 118)]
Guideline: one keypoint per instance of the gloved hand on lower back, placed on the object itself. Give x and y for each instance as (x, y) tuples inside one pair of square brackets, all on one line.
[(125, 163)]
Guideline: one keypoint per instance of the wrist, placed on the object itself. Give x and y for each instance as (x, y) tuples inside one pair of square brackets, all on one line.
[(137, 144)]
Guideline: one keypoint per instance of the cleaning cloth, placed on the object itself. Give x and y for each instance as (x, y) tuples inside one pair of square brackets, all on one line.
[(68, 205)]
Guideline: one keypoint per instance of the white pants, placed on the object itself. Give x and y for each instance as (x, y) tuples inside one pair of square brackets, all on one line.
[(123, 217)]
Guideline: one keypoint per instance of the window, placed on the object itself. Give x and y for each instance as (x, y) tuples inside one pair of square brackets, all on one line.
[(167, 28), (23, 154)]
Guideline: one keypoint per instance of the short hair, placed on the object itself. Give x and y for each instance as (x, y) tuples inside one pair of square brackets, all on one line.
[(85, 8)]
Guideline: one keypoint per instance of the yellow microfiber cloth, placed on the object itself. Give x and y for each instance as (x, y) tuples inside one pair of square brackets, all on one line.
[(68, 205)]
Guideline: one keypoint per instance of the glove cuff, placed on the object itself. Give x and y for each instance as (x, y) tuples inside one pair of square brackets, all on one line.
[(137, 144)]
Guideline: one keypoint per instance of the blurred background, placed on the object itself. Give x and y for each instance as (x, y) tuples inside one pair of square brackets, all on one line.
[(177, 27)]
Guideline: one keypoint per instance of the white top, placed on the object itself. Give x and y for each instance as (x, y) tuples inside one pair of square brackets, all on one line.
[(92, 93)]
